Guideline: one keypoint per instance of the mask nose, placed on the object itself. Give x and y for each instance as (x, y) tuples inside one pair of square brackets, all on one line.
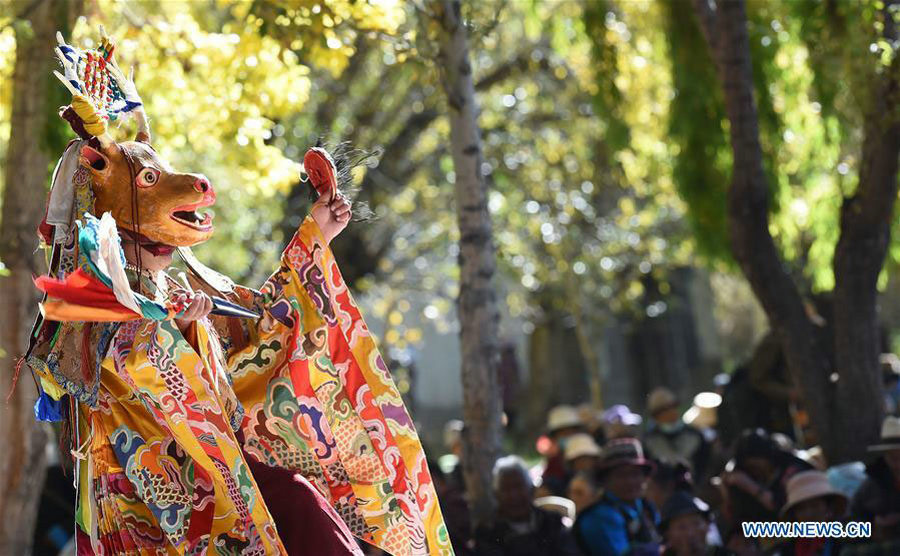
[(202, 184)]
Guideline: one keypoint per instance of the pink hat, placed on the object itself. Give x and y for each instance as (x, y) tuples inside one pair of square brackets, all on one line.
[(807, 485)]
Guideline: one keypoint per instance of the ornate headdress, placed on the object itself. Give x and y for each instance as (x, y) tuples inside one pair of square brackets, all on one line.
[(136, 193)]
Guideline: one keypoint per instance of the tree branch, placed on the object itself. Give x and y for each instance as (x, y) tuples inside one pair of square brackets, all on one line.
[(504, 71), (706, 15), (327, 110)]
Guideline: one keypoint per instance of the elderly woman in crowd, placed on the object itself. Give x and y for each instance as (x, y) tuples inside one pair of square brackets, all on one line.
[(519, 528)]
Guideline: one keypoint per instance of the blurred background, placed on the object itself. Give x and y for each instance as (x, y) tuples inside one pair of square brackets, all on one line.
[(607, 161)]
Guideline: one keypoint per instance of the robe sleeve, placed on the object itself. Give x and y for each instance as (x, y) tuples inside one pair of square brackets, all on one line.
[(319, 400)]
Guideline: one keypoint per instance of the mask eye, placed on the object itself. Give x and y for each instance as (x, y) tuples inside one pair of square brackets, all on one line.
[(148, 177)]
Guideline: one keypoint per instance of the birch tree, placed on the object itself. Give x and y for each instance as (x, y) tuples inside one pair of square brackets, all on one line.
[(477, 303)]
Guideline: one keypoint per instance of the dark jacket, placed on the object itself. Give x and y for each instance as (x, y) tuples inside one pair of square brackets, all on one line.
[(548, 536), (879, 495), (745, 507)]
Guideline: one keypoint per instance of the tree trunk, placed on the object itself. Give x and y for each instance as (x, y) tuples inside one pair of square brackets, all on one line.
[(28, 166), (751, 242), (477, 304), (858, 259), (845, 414)]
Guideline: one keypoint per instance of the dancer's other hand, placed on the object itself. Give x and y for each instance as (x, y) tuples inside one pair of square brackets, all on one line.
[(332, 215), (199, 307)]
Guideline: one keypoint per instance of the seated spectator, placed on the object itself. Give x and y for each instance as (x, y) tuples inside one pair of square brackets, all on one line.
[(755, 480), (451, 462), (668, 478), (810, 497), (890, 374), (669, 437), (562, 423), (592, 419), (739, 545), (685, 525), (878, 499), (455, 510), (581, 453), (520, 529), (54, 522), (620, 422), (623, 521), (583, 490)]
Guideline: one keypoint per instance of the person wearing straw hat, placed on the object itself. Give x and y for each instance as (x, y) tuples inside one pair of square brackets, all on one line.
[(581, 453), (669, 437), (623, 521), (878, 498), (810, 497), (685, 525), (563, 422)]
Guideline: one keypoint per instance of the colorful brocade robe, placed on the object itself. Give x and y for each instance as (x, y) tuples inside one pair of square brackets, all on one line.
[(161, 470)]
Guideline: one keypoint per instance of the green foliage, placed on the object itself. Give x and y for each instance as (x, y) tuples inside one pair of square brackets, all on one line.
[(765, 70), (604, 137), (811, 82), (698, 125), (701, 152), (607, 98)]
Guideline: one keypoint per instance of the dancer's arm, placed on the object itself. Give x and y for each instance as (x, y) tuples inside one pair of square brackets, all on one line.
[(303, 270)]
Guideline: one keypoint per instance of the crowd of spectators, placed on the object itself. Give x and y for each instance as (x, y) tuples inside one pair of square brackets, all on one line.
[(665, 482)]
